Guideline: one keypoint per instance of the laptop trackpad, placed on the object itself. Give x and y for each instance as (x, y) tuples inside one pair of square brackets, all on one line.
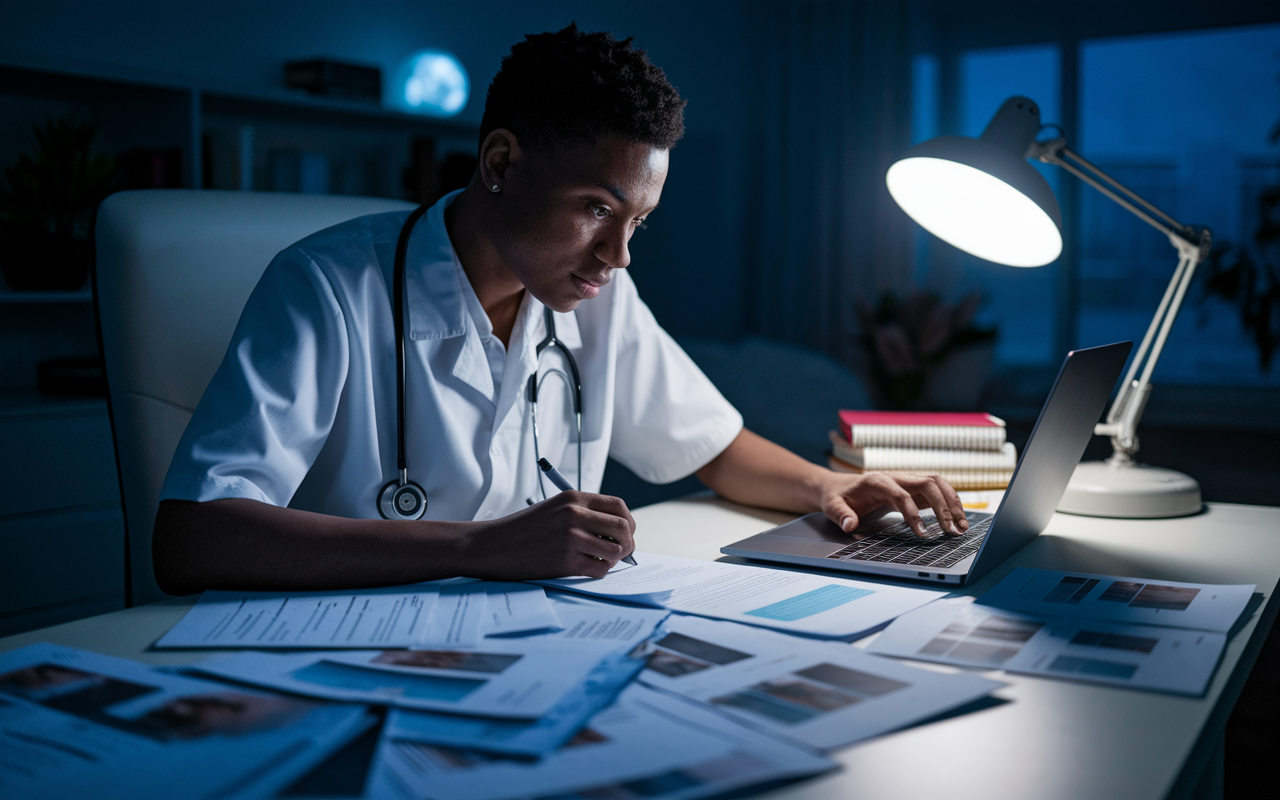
[(787, 545), (817, 527), (811, 535)]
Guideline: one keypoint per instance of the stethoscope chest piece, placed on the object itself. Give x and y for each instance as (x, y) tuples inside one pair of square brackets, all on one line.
[(402, 501)]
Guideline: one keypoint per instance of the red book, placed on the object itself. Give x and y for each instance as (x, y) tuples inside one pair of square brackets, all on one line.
[(947, 430)]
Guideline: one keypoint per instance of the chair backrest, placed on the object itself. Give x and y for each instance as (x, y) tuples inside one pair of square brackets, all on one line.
[(174, 270)]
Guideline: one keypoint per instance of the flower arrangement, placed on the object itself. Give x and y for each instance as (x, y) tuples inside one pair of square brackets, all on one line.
[(906, 339)]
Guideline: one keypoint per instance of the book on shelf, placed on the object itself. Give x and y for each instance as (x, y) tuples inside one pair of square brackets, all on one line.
[(917, 458), (962, 480), (923, 429)]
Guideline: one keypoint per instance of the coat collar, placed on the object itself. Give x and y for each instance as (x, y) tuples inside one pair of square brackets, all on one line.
[(433, 292), (438, 310), (433, 288), (566, 326)]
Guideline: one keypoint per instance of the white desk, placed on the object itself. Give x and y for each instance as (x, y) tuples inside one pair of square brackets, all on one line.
[(1053, 739)]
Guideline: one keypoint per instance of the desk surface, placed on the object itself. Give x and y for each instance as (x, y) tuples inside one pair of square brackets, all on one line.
[(1051, 739)]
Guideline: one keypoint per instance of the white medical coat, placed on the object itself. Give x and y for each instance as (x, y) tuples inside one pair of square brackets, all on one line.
[(302, 410)]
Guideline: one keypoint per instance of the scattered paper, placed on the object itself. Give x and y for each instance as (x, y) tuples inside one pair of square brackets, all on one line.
[(824, 694), (959, 631), (517, 609), (448, 613), (79, 724), (795, 602), (519, 737), (596, 620), (457, 618), (392, 617), (582, 619), (504, 678), (647, 745), (1050, 593)]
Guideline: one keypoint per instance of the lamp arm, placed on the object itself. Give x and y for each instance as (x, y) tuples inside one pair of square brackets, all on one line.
[(1093, 175), (1126, 411), (1192, 245), (1069, 155)]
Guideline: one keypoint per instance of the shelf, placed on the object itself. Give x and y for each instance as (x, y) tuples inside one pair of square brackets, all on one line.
[(77, 296), (63, 77), (32, 404), (296, 103)]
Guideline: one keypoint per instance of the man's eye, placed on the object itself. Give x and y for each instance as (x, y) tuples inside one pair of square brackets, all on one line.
[(600, 211), (639, 223)]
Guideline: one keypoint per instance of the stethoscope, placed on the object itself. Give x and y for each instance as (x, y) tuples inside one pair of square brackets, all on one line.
[(402, 498)]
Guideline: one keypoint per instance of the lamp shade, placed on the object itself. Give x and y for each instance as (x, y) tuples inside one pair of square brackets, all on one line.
[(981, 195)]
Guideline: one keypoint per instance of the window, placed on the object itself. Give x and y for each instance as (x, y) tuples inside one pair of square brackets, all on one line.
[(924, 97), (1183, 120), (1021, 302)]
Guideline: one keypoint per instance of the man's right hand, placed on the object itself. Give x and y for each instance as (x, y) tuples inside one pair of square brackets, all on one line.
[(572, 533)]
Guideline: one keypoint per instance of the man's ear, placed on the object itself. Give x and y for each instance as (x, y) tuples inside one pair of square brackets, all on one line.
[(499, 151)]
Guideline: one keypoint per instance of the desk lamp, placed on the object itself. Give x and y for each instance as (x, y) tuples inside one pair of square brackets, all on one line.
[(982, 196)]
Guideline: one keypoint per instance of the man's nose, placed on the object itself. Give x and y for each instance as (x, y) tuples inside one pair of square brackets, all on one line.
[(613, 249)]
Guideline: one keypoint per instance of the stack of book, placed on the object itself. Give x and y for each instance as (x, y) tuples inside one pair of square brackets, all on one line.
[(969, 451)]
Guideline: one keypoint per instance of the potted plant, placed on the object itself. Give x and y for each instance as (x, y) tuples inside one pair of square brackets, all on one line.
[(920, 352), (1249, 277), (47, 203)]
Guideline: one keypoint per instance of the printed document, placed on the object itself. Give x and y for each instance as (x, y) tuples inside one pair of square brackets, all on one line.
[(1050, 593), (597, 620), (647, 744), (79, 724), (457, 617), (505, 678), (583, 619), (517, 609), (824, 694), (960, 631), (426, 614), (795, 602), (522, 737)]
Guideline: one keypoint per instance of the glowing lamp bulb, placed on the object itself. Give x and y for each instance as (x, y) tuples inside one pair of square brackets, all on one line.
[(974, 211), (434, 83)]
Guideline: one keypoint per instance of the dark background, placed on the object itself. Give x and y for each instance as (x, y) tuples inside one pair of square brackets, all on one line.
[(773, 221)]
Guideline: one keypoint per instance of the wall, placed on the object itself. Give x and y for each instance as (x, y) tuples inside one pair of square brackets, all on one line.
[(686, 263)]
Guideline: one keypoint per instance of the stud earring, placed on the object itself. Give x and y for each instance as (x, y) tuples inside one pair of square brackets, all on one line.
[(494, 188)]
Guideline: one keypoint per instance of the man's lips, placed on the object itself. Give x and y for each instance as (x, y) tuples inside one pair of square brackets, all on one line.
[(595, 280), (589, 287)]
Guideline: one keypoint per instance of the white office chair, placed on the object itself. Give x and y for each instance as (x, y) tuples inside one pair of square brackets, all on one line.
[(174, 269)]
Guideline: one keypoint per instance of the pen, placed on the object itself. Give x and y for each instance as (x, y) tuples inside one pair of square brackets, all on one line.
[(563, 485)]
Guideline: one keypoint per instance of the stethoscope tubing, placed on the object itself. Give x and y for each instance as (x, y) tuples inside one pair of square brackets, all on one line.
[(398, 280), (550, 340)]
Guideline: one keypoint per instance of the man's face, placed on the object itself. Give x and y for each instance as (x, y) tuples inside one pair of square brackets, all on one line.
[(567, 217)]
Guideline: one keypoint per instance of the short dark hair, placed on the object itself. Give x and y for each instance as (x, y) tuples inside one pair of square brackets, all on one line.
[(574, 88)]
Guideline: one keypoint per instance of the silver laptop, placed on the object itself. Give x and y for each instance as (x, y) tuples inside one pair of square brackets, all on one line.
[(884, 545)]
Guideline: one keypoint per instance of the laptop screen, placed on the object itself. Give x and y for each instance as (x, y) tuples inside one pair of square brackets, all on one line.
[(1057, 442)]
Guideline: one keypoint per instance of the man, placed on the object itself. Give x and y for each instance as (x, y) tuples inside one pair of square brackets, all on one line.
[(275, 484)]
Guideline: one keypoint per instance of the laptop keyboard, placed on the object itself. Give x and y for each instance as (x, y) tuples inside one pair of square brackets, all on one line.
[(898, 545)]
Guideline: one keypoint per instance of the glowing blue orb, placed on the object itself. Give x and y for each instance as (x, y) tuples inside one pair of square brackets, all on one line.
[(432, 82)]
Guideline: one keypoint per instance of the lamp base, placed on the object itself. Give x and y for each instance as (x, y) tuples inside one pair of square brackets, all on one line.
[(1129, 490)]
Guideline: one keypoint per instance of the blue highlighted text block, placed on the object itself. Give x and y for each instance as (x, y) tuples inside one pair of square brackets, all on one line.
[(810, 603)]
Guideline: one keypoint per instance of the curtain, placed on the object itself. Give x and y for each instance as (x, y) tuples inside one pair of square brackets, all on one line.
[(834, 111)]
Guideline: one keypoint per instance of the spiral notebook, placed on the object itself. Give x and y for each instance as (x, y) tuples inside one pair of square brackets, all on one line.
[(939, 430)]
